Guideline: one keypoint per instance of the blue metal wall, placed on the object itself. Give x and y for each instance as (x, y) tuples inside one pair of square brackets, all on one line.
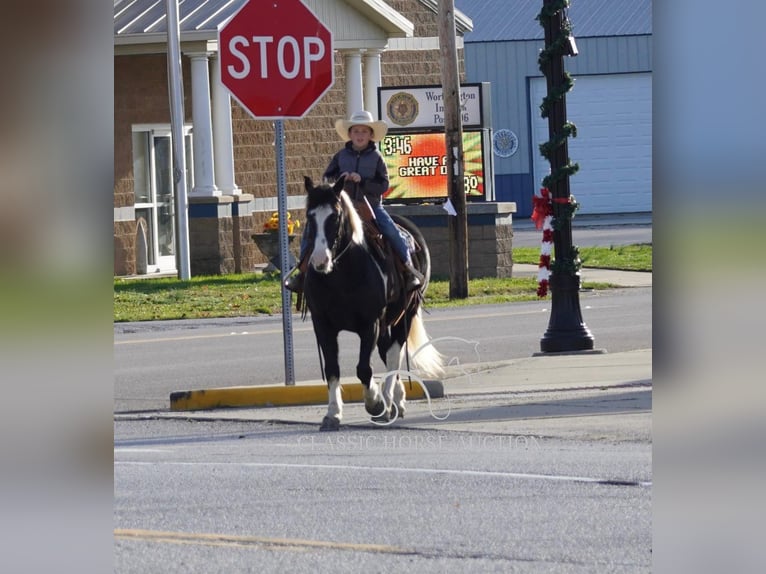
[(508, 65)]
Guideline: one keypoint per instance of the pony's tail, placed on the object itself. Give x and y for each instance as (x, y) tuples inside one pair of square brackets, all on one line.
[(425, 357)]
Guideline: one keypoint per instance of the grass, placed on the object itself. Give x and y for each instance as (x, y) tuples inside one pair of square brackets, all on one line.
[(251, 294), (636, 257)]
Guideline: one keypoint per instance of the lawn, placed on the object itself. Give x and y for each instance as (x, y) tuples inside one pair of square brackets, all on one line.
[(251, 294)]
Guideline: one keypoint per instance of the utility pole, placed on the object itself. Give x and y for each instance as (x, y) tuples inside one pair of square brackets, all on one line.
[(457, 225), (566, 329), (175, 89)]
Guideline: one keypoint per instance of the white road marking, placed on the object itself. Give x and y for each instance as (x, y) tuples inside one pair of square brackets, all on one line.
[(407, 470)]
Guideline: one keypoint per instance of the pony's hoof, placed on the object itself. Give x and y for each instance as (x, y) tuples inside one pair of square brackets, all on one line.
[(383, 417), (375, 409), (329, 424)]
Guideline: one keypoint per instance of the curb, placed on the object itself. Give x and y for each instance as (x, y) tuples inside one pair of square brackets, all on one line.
[(284, 395)]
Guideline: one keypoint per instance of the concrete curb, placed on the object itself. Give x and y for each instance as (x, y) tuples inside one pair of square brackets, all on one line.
[(284, 395)]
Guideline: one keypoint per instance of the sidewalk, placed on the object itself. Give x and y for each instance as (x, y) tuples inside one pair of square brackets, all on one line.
[(581, 396), (621, 278)]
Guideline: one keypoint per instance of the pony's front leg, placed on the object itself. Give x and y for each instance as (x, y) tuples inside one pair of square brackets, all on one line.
[(328, 342), (373, 400), (393, 388), (331, 421)]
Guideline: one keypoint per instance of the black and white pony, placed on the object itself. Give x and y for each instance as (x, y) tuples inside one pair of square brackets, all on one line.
[(348, 288)]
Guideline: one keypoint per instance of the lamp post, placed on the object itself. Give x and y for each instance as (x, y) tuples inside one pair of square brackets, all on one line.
[(566, 329)]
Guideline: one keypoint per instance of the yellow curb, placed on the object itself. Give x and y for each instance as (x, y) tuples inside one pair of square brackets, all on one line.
[(283, 395)]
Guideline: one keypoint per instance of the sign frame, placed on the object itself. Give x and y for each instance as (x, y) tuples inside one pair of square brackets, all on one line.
[(421, 108)]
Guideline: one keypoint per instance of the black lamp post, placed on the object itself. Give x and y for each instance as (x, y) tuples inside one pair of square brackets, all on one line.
[(566, 329)]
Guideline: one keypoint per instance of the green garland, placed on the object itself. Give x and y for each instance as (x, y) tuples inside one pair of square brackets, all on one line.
[(557, 93), (569, 265), (566, 213)]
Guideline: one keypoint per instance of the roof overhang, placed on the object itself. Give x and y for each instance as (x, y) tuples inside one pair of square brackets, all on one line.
[(381, 14), (381, 22)]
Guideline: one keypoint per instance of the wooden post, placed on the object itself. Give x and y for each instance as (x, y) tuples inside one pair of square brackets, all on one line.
[(457, 225)]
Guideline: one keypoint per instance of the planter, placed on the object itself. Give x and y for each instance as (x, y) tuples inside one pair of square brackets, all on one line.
[(268, 243)]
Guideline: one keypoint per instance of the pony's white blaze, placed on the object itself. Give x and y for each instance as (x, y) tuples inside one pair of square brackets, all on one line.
[(321, 257)]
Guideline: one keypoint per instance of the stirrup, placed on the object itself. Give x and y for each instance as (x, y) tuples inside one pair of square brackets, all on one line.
[(295, 282), (413, 279)]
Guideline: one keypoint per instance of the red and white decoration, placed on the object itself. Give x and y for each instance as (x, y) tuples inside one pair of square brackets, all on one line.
[(542, 215)]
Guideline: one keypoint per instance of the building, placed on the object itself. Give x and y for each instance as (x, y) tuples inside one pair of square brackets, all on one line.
[(231, 175), (611, 102)]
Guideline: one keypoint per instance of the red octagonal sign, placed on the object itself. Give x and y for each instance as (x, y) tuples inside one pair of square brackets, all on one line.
[(276, 58)]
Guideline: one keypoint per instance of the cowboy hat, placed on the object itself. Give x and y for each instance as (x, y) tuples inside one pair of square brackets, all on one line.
[(362, 118)]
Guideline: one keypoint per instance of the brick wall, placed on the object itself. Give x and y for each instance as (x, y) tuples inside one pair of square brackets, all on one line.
[(490, 235), (211, 246), (124, 247)]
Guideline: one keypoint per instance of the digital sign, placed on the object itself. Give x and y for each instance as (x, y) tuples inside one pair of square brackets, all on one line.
[(417, 166)]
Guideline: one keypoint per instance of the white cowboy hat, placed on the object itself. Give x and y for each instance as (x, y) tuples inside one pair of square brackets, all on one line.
[(362, 118)]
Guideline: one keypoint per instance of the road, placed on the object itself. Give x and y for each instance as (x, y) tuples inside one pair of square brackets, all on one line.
[(586, 234), (550, 481), (217, 496), (153, 359)]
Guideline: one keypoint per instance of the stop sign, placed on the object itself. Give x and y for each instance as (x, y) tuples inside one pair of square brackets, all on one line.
[(276, 58)]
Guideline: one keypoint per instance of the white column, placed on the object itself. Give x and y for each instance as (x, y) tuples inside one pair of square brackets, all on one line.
[(353, 68), (204, 182), (223, 142), (372, 81)]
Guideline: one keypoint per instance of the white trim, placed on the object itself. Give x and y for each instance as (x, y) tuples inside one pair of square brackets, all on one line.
[(163, 129), (409, 44), (154, 38), (125, 213)]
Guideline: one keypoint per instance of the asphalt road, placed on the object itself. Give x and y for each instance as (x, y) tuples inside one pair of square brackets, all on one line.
[(153, 359), (228, 497), (214, 495), (592, 232)]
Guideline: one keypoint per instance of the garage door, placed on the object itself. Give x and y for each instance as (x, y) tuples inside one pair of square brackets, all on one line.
[(613, 115)]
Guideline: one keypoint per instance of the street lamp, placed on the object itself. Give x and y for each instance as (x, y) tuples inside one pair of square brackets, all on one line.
[(567, 330)]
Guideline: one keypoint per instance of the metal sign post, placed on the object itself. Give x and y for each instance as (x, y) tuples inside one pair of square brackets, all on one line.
[(284, 253), (277, 61)]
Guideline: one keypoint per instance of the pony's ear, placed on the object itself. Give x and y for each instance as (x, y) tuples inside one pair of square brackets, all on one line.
[(338, 187), (308, 183)]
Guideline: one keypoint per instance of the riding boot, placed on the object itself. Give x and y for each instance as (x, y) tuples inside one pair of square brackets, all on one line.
[(413, 279)]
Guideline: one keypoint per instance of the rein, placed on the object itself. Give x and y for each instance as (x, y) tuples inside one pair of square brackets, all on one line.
[(344, 227), (341, 254)]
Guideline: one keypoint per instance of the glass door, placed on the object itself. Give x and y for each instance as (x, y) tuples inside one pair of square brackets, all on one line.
[(155, 197)]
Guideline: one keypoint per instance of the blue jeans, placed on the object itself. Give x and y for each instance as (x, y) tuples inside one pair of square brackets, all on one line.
[(391, 233), (387, 228)]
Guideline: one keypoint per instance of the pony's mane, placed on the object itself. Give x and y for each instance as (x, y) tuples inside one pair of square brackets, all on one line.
[(357, 229), (324, 194)]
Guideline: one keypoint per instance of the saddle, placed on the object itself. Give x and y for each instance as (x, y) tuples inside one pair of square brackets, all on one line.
[(381, 248)]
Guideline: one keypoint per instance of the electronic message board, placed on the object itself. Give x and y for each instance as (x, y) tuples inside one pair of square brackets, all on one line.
[(417, 169)]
